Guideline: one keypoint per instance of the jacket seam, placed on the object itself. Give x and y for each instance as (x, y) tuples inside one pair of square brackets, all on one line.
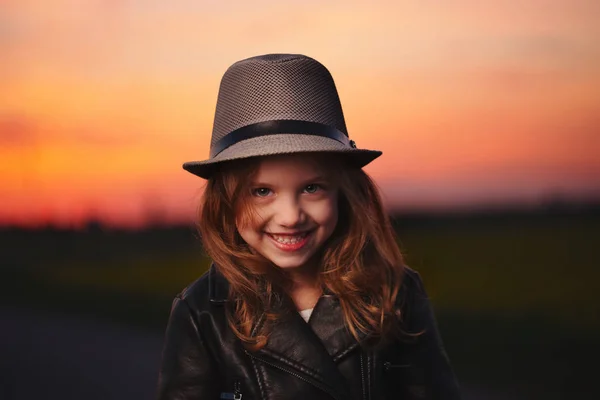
[(313, 374), (259, 378), (341, 354)]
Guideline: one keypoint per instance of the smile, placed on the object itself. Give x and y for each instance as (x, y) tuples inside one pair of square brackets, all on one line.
[(290, 242)]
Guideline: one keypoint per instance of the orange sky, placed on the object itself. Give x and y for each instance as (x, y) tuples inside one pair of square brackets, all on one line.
[(471, 102)]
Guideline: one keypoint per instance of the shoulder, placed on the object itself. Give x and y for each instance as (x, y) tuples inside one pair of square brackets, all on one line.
[(411, 275), (412, 294), (412, 281), (206, 292), (197, 291)]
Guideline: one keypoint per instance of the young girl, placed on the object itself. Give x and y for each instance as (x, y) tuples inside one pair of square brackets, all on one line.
[(308, 296)]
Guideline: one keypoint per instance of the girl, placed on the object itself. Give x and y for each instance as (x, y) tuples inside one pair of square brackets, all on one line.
[(308, 296)]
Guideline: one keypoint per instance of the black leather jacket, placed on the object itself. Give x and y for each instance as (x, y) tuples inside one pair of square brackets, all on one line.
[(203, 359)]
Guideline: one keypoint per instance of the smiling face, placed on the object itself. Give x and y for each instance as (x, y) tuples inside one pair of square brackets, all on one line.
[(295, 210)]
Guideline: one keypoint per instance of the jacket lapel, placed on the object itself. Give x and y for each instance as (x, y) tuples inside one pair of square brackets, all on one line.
[(327, 322), (309, 350), (296, 348)]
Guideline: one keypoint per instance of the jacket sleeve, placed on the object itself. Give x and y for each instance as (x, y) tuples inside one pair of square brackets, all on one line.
[(440, 378), (187, 370)]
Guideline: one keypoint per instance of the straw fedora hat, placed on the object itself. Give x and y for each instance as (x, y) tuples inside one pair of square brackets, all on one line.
[(277, 104)]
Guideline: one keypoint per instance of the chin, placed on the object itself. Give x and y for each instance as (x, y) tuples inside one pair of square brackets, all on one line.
[(289, 263)]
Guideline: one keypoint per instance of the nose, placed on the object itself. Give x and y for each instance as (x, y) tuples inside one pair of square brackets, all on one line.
[(289, 212)]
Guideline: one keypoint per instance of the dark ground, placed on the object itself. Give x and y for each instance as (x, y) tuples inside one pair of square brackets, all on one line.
[(58, 356)]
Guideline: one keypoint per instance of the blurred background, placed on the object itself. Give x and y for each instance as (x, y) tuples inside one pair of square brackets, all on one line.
[(488, 114)]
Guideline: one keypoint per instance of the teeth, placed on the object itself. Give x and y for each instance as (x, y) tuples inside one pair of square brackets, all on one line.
[(289, 239)]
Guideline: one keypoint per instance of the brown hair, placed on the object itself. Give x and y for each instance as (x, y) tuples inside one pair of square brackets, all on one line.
[(361, 263)]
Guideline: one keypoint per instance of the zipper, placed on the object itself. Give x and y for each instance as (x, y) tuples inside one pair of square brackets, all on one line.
[(362, 375), (311, 381), (237, 392)]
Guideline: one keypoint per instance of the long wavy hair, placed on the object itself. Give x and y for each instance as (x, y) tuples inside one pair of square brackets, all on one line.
[(360, 263)]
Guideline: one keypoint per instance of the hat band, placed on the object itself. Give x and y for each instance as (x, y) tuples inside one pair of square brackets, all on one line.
[(275, 127)]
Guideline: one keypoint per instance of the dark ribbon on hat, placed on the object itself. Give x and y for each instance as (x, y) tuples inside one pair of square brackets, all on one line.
[(275, 127)]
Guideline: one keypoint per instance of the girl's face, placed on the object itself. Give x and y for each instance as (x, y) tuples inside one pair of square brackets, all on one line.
[(295, 206)]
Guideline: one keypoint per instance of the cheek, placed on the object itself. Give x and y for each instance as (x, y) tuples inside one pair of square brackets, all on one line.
[(326, 213), (251, 225), (249, 219)]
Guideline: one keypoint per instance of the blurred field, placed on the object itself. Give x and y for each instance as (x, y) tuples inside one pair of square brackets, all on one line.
[(516, 294), (544, 264)]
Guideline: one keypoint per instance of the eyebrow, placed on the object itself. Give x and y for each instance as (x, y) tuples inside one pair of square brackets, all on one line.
[(317, 178)]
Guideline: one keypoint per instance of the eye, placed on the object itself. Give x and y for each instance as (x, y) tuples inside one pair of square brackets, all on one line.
[(312, 188), (261, 192)]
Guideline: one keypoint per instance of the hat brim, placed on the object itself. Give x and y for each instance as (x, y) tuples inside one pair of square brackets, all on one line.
[(280, 144)]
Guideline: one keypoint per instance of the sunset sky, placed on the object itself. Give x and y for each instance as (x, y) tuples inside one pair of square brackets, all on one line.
[(471, 102)]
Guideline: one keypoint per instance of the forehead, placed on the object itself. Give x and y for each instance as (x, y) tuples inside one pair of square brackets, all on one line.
[(290, 167)]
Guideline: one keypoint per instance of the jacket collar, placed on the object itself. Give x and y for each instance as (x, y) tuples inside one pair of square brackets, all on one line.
[(311, 349)]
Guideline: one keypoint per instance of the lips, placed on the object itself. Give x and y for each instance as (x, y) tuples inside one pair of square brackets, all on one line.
[(290, 242)]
